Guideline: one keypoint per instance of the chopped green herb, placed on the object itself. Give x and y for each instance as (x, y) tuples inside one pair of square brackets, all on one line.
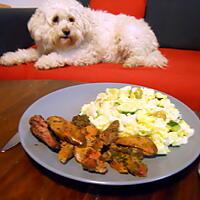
[(174, 126), (172, 123), (127, 112)]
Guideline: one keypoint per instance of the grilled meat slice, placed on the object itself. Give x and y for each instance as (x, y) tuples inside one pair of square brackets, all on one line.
[(66, 152), (65, 130), (118, 161), (131, 151), (92, 137), (119, 166), (90, 159), (125, 159), (136, 167), (110, 134), (145, 144), (57, 125), (79, 153), (91, 133), (74, 135), (81, 121), (39, 129)]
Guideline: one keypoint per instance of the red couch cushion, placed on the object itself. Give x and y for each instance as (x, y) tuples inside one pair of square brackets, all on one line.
[(130, 7), (180, 79)]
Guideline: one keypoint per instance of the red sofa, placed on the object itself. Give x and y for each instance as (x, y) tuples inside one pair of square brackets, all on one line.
[(179, 79)]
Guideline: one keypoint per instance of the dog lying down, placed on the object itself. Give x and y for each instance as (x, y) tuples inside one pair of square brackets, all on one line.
[(66, 33)]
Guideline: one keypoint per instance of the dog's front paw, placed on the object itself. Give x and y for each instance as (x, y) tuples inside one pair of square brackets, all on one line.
[(43, 63), (8, 59), (18, 57), (133, 62), (49, 62)]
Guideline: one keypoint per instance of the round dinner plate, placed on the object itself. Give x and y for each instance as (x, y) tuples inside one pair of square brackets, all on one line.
[(67, 102)]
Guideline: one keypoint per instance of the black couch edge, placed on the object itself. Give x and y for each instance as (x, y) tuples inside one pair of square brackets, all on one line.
[(14, 33)]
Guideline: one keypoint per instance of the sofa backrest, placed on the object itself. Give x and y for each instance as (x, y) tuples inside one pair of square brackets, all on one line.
[(14, 33), (130, 7), (176, 23)]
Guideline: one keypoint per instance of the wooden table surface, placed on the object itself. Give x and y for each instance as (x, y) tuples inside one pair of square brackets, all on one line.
[(22, 178)]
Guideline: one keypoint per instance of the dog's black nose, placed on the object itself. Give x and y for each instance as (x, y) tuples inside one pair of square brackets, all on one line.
[(66, 32)]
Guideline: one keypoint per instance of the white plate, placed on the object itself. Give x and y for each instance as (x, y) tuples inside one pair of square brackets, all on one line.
[(67, 103)]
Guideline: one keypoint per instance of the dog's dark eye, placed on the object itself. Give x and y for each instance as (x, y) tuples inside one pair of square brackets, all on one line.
[(71, 19), (55, 19)]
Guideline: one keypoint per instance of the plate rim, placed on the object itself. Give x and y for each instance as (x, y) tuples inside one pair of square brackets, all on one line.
[(113, 183)]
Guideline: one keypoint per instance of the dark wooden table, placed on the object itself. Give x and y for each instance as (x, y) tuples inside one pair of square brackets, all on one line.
[(22, 178)]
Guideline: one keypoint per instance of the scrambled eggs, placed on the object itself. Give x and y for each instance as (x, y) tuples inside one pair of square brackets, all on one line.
[(140, 111)]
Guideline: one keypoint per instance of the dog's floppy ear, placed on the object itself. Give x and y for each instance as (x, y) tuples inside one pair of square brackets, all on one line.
[(34, 24)]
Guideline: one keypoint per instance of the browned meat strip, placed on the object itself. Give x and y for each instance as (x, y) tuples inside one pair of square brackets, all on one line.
[(125, 159), (90, 159), (65, 130), (92, 137), (90, 133), (81, 121), (143, 143), (136, 167), (111, 133), (39, 129), (66, 152), (74, 135), (57, 125), (132, 151), (118, 162)]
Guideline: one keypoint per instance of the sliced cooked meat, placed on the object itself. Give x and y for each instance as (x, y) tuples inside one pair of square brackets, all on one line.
[(65, 130), (57, 125), (111, 133), (79, 153), (90, 159), (119, 166), (143, 143), (81, 121), (92, 137), (90, 147), (136, 167), (91, 133), (66, 152), (118, 161), (39, 129), (126, 159), (116, 158), (74, 135), (91, 130), (131, 151)]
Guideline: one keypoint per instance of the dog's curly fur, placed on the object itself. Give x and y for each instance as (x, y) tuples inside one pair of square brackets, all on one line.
[(66, 33)]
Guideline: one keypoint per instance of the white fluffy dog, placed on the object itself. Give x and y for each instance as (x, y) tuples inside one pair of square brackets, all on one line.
[(66, 33)]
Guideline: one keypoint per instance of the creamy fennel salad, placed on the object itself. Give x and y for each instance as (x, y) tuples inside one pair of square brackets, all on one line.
[(140, 111)]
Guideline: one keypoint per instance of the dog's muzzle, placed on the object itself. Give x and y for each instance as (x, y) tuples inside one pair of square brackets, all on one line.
[(66, 33)]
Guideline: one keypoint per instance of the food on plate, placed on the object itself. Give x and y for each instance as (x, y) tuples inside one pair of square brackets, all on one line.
[(90, 159), (119, 128), (144, 143), (80, 121), (39, 129), (65, 130), (126, 160), (57, 124), (66, 152), (140, 112), (92, 148), (110, 134)]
